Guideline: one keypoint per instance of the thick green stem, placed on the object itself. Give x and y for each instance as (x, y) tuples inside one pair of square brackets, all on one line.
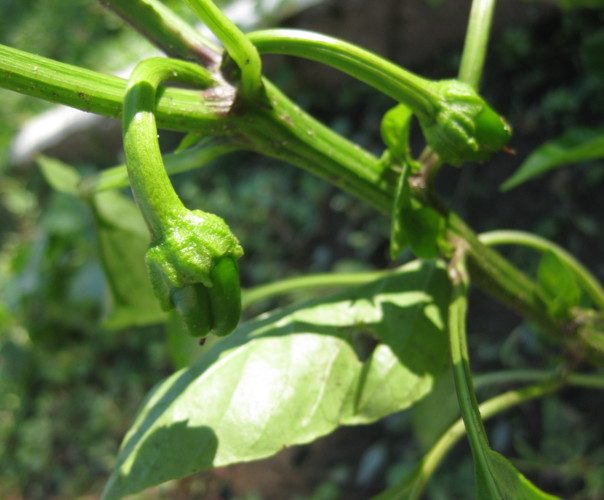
[(477, 38), (177, 109)]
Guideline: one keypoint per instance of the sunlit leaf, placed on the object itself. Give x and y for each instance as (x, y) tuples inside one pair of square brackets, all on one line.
[(574, 146), (292, 377)]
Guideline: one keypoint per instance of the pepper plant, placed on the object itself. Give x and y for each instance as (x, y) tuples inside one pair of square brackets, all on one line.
[(298, 373)]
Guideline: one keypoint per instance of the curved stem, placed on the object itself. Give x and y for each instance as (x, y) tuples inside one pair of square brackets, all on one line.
[(167, 31), (150, 183), (509, 237), (290, 285), (417, 93), (477, 37), (236, 44)]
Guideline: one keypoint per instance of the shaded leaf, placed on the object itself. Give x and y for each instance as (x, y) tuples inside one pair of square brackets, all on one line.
[(123, 240), (559, 283), (435, 413), (292, 377), (425, 227), (574, 146), (413, 223)]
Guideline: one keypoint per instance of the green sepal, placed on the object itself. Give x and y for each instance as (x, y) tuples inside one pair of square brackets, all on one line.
[(465, 128), (193, 268)]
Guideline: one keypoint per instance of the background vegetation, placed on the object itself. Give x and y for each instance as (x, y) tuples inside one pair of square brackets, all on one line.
[(69, 387)]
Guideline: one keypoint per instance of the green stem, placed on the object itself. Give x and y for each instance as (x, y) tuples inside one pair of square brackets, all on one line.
[(327, 280), (412, 489), (506, 283), (282, 131), (162, 27), (591, 285), (587, 381), (548, 382), (285, 132), (150, 183), (177, 109), (477, 37), (417, 93), (468, 404), (236, 44)]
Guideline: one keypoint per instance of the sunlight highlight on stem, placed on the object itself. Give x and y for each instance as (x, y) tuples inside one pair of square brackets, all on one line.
[(327, 280), (477, 38)]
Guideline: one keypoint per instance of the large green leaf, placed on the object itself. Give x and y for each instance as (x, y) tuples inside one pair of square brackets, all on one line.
[(574, 146), (292, 377), (123, 240)]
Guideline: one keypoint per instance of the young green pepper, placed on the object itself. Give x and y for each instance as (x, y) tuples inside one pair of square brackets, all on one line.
[(192, 257), (457, 123)]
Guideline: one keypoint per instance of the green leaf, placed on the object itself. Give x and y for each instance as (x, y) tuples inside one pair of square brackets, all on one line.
[(61, 176), (424, 227), (292, 377), (559, 283), (123, 240), (574, 146), (509, 483), (395, 130), (414, 223)]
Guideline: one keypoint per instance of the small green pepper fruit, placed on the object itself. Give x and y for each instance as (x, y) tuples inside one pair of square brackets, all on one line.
[(465, 127), (192, 258), (193, 267)]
